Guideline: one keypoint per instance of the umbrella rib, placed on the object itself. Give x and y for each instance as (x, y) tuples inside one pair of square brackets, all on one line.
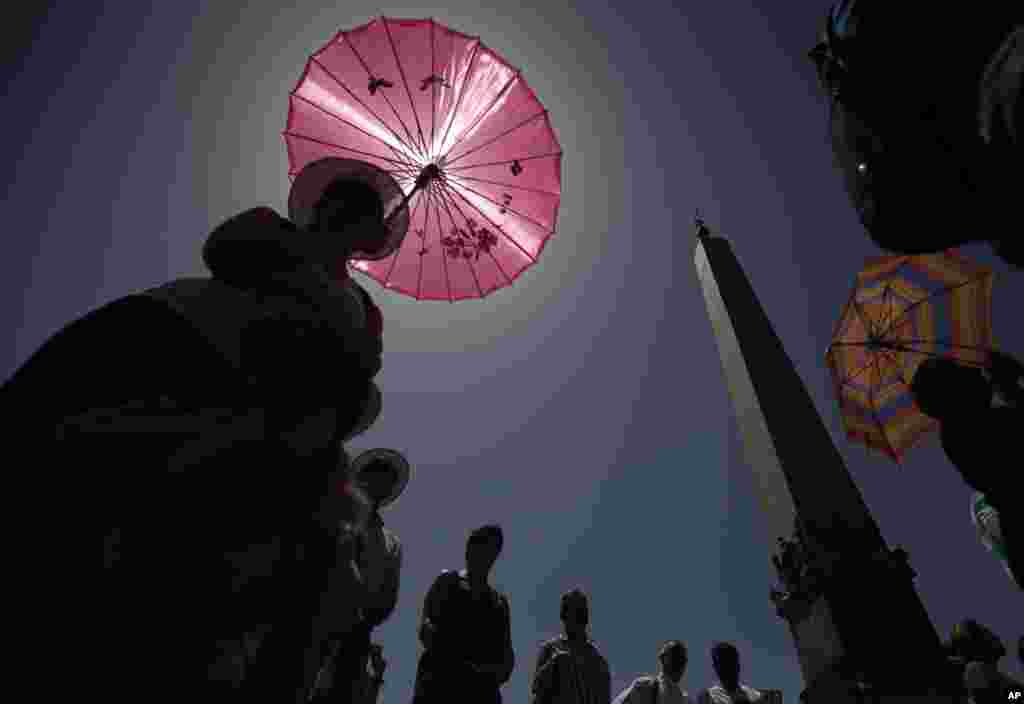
[(444, 259), (842, 316), (423, 246), (403, 159), (394, 261), (504, 273), (405, 82), (494, 139), (433, 92), (359, 100), (875, 414), (510, 185), (469, 262), (412, 141), (402, 171), (494, 202), (506, 161), (466, 130), (462, 93), (864, 319), (498, 227), (940, 292)]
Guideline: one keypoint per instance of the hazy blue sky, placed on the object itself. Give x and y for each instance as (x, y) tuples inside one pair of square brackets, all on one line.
[(584, 408)]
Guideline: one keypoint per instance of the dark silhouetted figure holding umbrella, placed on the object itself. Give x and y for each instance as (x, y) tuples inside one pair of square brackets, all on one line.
[(201, 424)]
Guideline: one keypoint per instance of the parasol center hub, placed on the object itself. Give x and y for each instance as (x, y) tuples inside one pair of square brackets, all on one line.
[(430, 172)]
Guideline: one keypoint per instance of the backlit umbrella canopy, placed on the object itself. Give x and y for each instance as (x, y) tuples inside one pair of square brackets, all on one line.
[(427, 103), (901, 311)]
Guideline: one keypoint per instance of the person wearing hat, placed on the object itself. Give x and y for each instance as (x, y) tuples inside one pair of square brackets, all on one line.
[(187, 401), (383, 475), (664, 687)]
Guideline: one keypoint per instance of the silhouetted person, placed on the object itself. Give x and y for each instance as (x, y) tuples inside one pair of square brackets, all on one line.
[(979, 437), (725, 659), (982, 650), (383, 475), (663, 688), (570, 669), (195, 428), (925, 120), (465, 631)]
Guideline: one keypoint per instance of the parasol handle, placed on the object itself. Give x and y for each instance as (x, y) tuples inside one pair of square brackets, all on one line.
[(430, 172)]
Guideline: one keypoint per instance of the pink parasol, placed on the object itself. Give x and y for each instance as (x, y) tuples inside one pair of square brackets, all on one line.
[(461, 132)]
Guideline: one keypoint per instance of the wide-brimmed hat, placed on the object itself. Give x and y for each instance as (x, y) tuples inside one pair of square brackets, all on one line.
[(316, 176), (395, 460)]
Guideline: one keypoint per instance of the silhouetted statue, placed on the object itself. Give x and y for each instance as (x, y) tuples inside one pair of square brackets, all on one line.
[(725, 659), (570, 668), (466, 631), (925, 120), (196, 428), (980, 423), (355, 665), (663, 688)]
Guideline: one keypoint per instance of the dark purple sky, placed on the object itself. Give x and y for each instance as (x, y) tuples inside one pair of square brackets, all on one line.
[(584, 408)]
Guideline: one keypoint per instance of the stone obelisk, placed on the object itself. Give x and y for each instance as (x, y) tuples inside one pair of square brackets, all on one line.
[(859, 626)]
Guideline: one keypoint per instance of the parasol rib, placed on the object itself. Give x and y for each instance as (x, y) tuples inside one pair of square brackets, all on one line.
[(411, 144), (494, 139), (433, 91), (497, 263), (403, 171), (483, 113), (490, 200), (944, 290), (455, 225), (363, 105), (462, 93), (403, 158), (498, 227), (503, 162), (405, 82), (509, 185), (444, 259)]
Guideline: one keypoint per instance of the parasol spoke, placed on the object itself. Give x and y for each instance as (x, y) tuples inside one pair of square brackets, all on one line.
[(864, 368), (525, 217), (402, 158), (428, 199), (462, 94), (433, 91), (499, 228), (464, 134), (494, 139), (864, 318), (394, 260), (401, 171), (879, 424), (935, 294), (509, 185), (411, 144), (366, 107), (447, 197), (455, 225), (405, 82), (503, 162), (444, 259)]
